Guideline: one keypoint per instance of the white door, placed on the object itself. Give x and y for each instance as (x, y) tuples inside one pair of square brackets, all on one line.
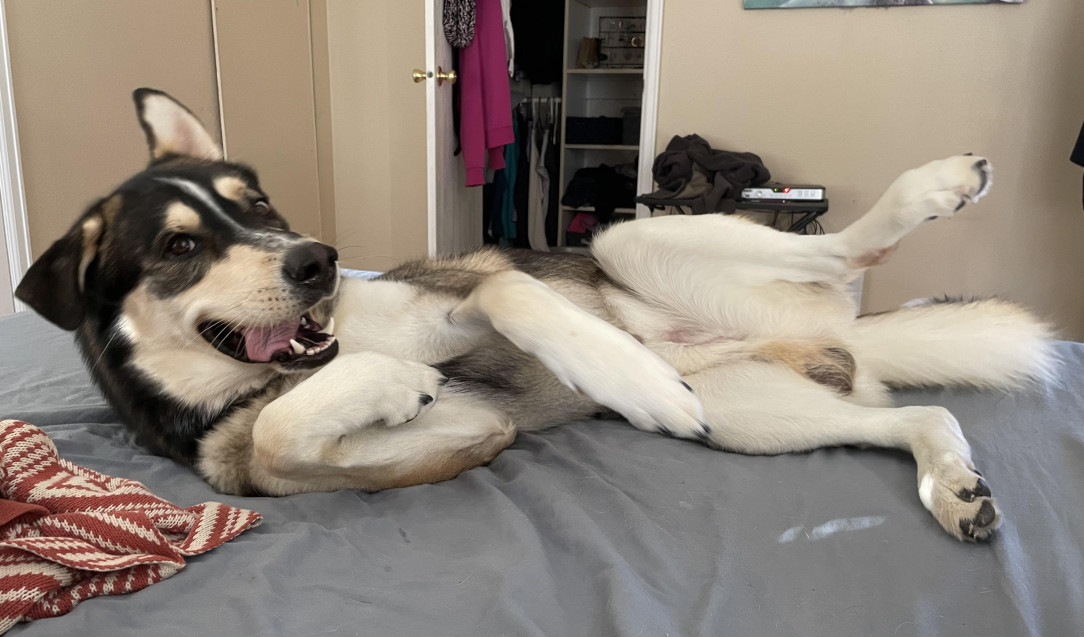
[(7, 302), (455, 211)]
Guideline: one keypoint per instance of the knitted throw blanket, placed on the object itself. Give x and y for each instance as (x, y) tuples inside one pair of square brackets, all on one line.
[(68, 533)]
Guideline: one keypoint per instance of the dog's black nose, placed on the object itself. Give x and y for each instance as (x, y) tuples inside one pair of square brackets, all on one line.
[(310, 264)]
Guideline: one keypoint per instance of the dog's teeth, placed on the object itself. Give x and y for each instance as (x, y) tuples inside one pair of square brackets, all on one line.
[(330, 329), (304, 321), (297, 347), (310, 351)]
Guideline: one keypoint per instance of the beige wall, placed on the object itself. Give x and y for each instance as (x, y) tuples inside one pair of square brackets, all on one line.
[(266, 70), (74, 66), (875, 91), (321, 93), (378, 118)]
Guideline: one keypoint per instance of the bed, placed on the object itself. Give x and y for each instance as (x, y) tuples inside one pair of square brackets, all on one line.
[(595, 528)]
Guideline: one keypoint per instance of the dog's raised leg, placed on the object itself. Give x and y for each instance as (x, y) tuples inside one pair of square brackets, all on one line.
[(937, 189), (678, 253), (586, 353), (731, 276), (767, 408), (369, 421)]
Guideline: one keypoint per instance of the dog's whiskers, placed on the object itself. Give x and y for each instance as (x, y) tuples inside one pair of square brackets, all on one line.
[(116, 330), (230, 328), (194, 339)]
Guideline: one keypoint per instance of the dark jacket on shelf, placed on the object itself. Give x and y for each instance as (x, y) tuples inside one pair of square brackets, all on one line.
[(708, 178)]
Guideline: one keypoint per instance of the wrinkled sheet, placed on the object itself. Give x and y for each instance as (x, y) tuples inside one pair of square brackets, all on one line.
[(595, 528)]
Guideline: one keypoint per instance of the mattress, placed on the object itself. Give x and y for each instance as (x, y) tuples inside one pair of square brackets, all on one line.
[(595, 528)]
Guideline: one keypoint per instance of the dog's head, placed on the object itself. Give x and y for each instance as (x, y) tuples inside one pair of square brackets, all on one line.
[(189, 256)]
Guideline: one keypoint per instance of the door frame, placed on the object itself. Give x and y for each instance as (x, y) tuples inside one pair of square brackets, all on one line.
[(431, 19), (645, 182), (648, 122), (12, 196)]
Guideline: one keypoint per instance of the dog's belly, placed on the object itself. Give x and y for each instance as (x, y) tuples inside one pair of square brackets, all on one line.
[(399, 319)]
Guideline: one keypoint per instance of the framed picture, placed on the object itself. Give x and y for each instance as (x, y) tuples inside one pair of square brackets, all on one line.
[(805, 4)]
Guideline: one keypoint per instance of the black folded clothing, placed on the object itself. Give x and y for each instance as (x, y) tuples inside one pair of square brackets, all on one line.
[(594, 130), (601, 187), (708, 178)]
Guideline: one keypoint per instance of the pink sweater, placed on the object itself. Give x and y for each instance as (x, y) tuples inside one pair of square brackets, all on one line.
[(485, 102)]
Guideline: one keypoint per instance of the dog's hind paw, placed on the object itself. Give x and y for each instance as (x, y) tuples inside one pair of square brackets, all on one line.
[(941, 188), (961, 501)]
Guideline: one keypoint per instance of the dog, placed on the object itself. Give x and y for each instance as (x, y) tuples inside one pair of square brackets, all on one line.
[(228, 342)]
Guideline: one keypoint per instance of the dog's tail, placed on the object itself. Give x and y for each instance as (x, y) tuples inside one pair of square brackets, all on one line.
[(986, 343)]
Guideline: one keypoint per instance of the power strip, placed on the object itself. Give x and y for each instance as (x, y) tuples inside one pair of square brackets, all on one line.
[(783, 192)]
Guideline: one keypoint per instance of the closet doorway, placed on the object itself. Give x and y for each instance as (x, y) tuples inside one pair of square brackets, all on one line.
[(360, 104), (593, 108)]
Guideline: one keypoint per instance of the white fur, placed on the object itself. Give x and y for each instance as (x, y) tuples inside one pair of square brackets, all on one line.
[(586, 353), (731, 305), (380, 390), (987, 343), (925, 492), (176, 130)]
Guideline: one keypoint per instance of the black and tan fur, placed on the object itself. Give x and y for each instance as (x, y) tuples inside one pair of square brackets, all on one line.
[(228, 342)]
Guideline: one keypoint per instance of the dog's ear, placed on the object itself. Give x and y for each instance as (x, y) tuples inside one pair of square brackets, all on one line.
[(171, 128), (53, 286)]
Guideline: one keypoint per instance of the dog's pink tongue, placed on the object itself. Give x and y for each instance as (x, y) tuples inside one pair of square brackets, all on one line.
[(262, 342)]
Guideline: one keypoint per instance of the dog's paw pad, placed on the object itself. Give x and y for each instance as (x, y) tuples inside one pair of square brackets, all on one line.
[(968, 512), (980, 490), (980, 527), (941, 188)]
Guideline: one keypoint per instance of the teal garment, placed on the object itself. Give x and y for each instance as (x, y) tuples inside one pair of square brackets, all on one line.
[(511, 164)]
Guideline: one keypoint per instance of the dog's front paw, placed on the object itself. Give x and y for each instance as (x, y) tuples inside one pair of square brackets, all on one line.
[(359, 390), (617, 371), (409, 392)]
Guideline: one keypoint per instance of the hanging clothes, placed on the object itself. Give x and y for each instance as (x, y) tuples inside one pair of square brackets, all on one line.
[(523, 176), (485, 97), (459, 22), (538, 206), (539, 191), (496, 222), (509, 35), (552, 162), (511, 174)]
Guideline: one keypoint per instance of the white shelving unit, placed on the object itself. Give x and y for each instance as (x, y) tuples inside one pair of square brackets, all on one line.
[(601, 147), (605, 71), (594, 93)]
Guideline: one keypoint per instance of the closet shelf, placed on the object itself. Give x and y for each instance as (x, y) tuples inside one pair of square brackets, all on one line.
[(622, 71), (601, 147), (617, 211), (596, 4), (589, 93)]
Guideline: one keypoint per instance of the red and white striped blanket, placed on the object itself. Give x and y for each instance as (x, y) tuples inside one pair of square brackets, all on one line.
[(68, 533)]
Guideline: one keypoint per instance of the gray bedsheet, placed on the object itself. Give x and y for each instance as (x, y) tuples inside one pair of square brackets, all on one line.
[(597, 529)]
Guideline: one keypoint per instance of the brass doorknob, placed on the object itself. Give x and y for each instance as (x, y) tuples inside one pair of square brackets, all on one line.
[(449, 76), (442, 76)]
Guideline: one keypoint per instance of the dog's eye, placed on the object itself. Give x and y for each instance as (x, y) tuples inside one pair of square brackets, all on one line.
[(180, 245)]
